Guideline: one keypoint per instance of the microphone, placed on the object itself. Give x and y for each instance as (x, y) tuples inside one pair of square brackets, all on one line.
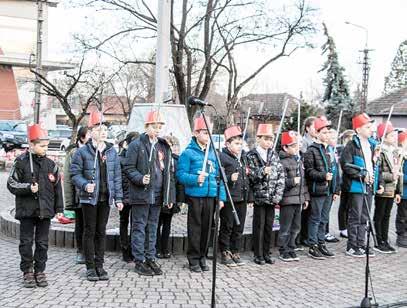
[(355, 167), (194, 101)]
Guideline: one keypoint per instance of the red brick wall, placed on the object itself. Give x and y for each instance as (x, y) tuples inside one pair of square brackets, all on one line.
[(9, 102)]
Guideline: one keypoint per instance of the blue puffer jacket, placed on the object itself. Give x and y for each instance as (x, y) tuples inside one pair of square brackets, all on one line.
[(82, 173), (190, 164)]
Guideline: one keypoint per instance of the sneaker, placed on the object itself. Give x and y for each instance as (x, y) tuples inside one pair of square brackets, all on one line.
[(343, 233), (356, 253), (91, 275), (41, 279), (259, 260), (390, 248), (269, 260), (325, 251), (143, 269), (299, 248), (227, 260), (371, 252), (330, 238), (294, 256), (286, 257), (155, 267), (29, 280), (202, 264), (102, 274), (195, 268), (80, 258), (382, 248), (236, 258), (314, 252)]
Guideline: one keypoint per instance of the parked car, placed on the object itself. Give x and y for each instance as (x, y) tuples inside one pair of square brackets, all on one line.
[(13, 135), (59, 139)]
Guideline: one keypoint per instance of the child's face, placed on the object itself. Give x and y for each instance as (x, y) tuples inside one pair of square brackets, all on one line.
[(235, 146), (391, 138), (266, 142), (366, 130), (324, 135), (153, 130), (39, 148), (99, 133), (332, 138), (202, 136), (291, 149)]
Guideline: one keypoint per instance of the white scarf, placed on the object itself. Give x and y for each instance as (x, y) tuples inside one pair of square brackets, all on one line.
[(262, 152)]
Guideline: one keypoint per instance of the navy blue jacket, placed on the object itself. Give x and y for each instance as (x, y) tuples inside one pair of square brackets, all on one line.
[(82, 173), (190, 164), (136, 165)]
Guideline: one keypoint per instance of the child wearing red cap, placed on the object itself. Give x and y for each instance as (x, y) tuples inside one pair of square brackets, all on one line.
[(234, 162), (266, 176), (198, 172), (96, 173), (388, 177), (35, 181), (401, 217), (149, 168), (295, 196), (358, 179), (320, 179)]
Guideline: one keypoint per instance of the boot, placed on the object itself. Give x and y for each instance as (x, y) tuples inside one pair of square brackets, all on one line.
[(127, 256)]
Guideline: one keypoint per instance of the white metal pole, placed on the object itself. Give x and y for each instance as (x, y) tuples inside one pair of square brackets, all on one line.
[(163, 52)]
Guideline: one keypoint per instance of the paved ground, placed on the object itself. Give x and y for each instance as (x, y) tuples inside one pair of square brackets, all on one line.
[(309, 283)]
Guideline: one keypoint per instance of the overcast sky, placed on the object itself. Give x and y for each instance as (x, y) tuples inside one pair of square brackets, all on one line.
[(385, 21)]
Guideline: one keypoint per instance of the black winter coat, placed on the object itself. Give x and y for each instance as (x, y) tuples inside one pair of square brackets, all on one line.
[(240, 189), (125, 180), (180, 191), (267, 189), (136, 165), (293, 193), (317, 164), (48, 200)]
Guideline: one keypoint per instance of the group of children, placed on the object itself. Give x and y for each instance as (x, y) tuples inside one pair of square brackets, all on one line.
[(147, 182)]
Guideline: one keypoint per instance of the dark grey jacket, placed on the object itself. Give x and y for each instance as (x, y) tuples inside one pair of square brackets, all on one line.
[(293, 193)]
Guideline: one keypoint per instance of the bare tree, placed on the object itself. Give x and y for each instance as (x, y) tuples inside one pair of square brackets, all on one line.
[(75, 90), (205, 34)]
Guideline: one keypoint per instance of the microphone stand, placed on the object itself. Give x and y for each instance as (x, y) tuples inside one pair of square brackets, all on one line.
[(217, 209), (366, 303)]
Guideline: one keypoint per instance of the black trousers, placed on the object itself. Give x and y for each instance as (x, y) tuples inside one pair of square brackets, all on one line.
[(33, 229), (290, 224), (358, 217), (230, 234), (79, 229), (381, 218), (94, 236), (401, 218), (303, 237), (163, 232), (199, 223), (343, 211), (125, 243), (263, 219)]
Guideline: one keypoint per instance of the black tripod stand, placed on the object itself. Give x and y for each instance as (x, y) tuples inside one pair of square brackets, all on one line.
[(366, 301), (217, 209)]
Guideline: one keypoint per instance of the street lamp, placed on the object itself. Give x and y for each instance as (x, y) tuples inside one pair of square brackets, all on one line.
[(365, 67)]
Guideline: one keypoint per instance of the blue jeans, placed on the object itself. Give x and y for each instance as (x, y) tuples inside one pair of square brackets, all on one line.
[(320, 208), (143, 215)]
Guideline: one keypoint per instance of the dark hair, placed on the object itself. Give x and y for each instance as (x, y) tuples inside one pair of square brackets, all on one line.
[(82, 132), (234, 138), (308, 122), (131, 136)]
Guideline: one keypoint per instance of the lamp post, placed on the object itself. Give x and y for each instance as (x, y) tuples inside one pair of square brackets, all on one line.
[(365, 67)]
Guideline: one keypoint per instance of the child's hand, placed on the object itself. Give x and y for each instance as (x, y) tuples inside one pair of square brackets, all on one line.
[(119, 206), (397, 199), (250, 205), (267, 170), (34, 188), (90, 188), (221, 204), (305, 206), (234, 176), (60, 215), (297, 180)]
